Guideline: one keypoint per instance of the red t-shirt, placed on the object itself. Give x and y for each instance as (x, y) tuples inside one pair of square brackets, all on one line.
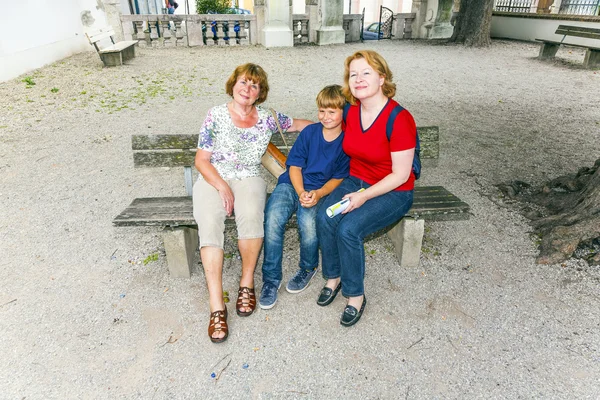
[(369, 150)]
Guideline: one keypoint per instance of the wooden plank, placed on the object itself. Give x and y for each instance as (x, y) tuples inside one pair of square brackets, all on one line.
[(179, 150), (580, 31), (119, 47), (433, 203), (103, 35), (164, 158), (160, 142)]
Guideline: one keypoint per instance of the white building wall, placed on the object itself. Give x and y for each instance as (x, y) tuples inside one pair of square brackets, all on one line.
[(38, 32), (538, 28)]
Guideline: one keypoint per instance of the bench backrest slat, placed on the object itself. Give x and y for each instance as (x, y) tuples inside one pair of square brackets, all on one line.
[(578, 31), (180, 150)]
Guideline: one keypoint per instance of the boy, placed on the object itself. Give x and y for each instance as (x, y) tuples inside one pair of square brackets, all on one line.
[(316, 165)]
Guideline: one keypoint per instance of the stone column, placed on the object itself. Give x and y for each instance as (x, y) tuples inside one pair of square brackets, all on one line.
[(312, 10), (419, 7), (113, 17), (274, 22), (331, 20)]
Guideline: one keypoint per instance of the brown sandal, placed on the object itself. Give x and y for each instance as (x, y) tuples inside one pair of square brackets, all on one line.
[(247, 299), (218, 323)]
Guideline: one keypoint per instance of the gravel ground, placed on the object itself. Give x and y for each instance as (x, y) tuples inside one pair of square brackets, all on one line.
[(83, 316)]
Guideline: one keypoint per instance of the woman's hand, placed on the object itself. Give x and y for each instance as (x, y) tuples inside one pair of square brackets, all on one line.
[(357, 199), (226, 196), (211, 176)]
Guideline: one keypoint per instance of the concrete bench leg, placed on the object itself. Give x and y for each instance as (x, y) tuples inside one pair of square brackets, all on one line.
[(180, 245), (592, 59), (407, 237), (548, 50), (111, 59), (129, 53)]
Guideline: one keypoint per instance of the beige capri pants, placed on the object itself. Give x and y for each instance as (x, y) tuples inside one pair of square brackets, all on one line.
[(250, 195)]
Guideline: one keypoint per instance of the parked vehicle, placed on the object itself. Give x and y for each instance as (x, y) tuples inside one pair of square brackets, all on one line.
[(236, 10), (371, 32)]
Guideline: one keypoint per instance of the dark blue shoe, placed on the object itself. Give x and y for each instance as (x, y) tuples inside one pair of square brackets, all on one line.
[(268, 295), (301, 280), (351, 315)]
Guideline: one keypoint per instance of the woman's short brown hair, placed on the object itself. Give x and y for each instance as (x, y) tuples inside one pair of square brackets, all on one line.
[(378, 63), (254, 73)]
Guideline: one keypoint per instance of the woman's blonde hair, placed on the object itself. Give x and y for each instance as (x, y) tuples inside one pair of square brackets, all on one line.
[(254, 73), (378, 63), (331, 97)]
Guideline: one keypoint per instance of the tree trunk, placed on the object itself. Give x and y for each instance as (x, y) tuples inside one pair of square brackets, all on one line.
[(571, 219), (473, 23), (578, 221)]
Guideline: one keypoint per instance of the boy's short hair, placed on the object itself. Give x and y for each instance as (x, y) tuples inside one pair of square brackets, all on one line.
[(331, 97)]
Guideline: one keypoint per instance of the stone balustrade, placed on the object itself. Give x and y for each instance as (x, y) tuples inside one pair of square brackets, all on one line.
[(402, 27), (300, 28), (352, 25), (235, 30), (190, 30)]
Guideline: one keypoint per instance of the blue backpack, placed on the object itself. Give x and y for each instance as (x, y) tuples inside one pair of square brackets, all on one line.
[(416, 164)]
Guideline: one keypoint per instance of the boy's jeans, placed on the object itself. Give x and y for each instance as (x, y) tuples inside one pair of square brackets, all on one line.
[(282, 203), (341, 237)]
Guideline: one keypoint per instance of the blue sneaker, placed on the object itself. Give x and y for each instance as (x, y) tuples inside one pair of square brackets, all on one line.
[(301, 280), (268, 295)]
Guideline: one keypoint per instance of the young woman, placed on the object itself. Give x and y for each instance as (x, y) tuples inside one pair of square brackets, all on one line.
[(381, 166)]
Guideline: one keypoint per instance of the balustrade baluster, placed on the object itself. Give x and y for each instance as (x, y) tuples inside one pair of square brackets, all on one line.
[(179, 34), (233, 41), (153, 33), (141, 34), (167, 42)]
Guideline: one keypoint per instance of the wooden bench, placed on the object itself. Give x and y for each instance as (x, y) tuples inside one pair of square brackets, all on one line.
[(115, 54), (180, 233), (592, 55)]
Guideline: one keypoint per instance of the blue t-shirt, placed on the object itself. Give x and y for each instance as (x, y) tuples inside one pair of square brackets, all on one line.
[(319, 159)]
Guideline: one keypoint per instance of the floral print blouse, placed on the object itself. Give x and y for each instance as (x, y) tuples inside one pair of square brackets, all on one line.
[(236, 152)]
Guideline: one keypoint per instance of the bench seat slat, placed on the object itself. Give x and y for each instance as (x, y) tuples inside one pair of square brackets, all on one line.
[(96, 37), (180, 150), (178, 211), (164, 158), (118, 47)]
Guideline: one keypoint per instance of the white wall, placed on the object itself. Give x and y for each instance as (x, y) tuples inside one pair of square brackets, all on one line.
[(38, 32), (538, 28)]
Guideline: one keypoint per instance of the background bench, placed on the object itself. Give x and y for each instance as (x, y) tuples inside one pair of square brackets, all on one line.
[(175, 214), (592, 55), (115, 54)]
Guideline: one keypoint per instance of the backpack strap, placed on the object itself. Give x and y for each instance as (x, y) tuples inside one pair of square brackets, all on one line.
[(389, 128), (345, 112)]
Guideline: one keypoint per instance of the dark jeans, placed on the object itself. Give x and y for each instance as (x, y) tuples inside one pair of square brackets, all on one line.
[(341, 237), (282, 203)]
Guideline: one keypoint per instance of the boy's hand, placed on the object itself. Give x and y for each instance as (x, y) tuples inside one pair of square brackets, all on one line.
[(311, 199)]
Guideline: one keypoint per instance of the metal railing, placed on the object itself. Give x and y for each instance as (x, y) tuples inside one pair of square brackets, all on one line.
[(519, 6), (580, 7)]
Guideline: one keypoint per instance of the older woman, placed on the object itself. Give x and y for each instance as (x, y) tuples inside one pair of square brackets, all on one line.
[(232, 140), (380, 165)]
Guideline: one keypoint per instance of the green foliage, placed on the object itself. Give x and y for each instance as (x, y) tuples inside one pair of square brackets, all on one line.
[(28, 80), (54, 90), (214, 6), (151, 258)]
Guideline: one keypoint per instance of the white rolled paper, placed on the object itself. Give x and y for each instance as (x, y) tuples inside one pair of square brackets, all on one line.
[(339, 207)]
